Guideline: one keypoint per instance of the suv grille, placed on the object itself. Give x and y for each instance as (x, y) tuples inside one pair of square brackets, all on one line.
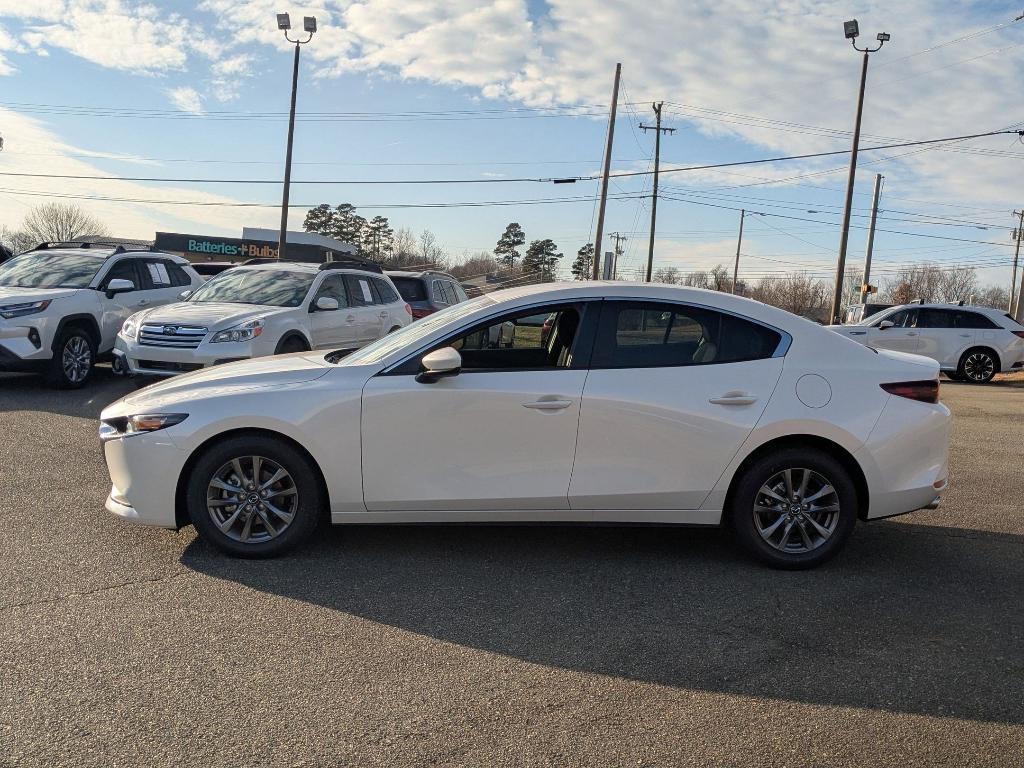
[(174, 336)]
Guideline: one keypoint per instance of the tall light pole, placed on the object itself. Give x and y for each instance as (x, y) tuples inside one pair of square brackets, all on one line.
[(852, 31), (284, 23)]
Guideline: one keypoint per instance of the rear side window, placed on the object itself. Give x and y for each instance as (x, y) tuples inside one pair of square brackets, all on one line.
[(410, 288), (385, 291), (935, 318), (158, 274), (440, 297), (455, 293), (973, 320), (359, 291), (645, 335), (179, 277)]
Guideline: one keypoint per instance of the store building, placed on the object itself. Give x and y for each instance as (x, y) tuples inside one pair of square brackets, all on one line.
[(254, 243)]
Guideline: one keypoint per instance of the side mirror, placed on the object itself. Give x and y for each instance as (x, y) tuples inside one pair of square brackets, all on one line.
[(184, 294), (439, 364), (119, 285), (885, 324), (327, 304)]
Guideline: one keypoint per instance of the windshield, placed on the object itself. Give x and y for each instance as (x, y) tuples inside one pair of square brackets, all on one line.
[(269, 287), (413, 333), (50, 270)]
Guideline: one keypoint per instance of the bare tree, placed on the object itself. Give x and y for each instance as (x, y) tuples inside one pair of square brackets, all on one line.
[(697, 279), (667, 275), (57, 222), (992, 296), (720, 279), (15, 240), (479, 265)]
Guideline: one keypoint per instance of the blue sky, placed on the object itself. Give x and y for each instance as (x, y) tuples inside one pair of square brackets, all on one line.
[(742, 81)]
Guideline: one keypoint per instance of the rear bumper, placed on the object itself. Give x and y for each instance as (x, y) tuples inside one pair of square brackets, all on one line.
[(905, 459)]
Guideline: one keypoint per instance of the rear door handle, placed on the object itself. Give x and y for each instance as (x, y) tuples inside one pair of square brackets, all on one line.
[(350, 319), (384, 315), (858, 333), (911, 333), (555, 404), (965, 335), (733, 398)]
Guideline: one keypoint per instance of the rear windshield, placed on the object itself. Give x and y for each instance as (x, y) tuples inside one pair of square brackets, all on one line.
[(411, 288)]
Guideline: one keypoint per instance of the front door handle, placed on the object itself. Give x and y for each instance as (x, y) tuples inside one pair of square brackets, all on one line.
[(350, 319), (858, 333), (554, 404), (911, 333), (733, 398), (142, 303)]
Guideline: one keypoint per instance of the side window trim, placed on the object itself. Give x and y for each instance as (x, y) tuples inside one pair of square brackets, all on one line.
[(583, 344), (133, 265)]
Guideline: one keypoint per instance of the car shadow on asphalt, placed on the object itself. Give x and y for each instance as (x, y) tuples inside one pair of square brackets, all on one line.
[(910, 618), (28, 392)]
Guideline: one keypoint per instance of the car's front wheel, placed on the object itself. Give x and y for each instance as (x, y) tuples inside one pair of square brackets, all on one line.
[(794, 509), (74, 355), (254, 496)]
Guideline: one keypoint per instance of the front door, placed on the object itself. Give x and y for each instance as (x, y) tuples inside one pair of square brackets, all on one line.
[(673, 392), (903, 336), (333, 328), (121, 306), (499, 437)]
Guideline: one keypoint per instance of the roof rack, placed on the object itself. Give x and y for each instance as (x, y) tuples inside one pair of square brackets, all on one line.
[(116, 247), (353, 262)]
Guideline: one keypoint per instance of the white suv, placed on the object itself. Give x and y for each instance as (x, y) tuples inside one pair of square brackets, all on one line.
[(61, 307), (263, 309), (969, 343)]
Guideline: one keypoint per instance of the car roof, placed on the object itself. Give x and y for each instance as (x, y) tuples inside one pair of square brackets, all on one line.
[(953, 305), (304, 267)]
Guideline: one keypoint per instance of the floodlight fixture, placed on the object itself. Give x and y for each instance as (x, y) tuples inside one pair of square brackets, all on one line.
[(284, 21), (309, 24), (883, 37), (851, 29)]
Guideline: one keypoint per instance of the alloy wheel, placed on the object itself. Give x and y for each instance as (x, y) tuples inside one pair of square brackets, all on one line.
[(76, 359), (252, 499), (979, 366), (796, 510)]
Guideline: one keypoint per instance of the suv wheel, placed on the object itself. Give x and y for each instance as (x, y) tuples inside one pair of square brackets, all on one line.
[(74, 355), (254, 496), (794, 509), (977, 366)]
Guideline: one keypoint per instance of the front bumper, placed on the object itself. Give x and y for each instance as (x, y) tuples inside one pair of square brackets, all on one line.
[(140, 360), (144, 471)]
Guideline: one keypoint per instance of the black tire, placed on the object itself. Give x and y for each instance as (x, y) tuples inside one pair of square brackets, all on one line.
[(978, 366), (290, 345), (305, 505), (73, 361), (954, 376), (744, 519), (395, 328)]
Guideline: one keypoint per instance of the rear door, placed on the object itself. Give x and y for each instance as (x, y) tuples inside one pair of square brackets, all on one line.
[(368, 322), (672, 393), (940, 338), (160, 284)]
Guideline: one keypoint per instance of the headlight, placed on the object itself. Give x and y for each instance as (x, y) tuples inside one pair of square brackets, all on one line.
[(130, 329), (20, 310), (126, 426), (244, 332)]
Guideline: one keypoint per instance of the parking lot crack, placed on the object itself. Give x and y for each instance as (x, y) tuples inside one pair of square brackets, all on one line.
[(95, 591)]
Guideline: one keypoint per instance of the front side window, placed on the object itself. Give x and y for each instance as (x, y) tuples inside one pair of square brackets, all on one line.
[(645, 335), (122, 270), (333, 287), (904, 318), (50, 270), (267, 287)]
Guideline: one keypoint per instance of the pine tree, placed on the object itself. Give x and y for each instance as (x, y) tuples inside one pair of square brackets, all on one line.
[(341, 223), (378, 239), (542, 259), (505, 251), (583, 266)]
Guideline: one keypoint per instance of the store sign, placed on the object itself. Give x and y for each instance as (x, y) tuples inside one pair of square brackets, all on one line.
[(232, 248)]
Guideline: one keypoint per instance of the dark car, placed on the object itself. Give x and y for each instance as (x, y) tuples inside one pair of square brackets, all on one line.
[(427, 292)]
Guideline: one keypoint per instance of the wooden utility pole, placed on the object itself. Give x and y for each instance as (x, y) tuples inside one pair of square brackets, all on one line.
[(604, 175), (739, 242), (658, 130), (1016, 307), (871, 239)]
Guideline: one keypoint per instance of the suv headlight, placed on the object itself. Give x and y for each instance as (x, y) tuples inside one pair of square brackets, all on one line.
[(10, 311), (126, 426), (242, 332)]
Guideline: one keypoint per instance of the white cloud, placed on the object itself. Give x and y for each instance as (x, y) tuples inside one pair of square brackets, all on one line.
[(186, 99)]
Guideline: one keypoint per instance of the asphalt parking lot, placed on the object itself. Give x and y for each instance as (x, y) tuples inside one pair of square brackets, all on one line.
[(123, 646)]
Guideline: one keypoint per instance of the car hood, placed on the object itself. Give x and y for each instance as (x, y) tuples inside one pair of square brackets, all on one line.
[(277, 371), (24, 295), (215, 316)]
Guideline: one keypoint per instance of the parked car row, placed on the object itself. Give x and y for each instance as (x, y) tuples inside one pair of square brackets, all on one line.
[(63, 308)]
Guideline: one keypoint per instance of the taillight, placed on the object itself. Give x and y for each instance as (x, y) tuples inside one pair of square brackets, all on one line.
[(418, 313), (925, 391), (408, 311), (1018, 333)]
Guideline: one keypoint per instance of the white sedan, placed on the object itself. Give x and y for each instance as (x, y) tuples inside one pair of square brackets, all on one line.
[(640, 404)]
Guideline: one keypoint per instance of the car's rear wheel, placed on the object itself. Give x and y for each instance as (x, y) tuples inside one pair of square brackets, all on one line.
[(794, 509), (254, 496), (74, 355), (978, 366)]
